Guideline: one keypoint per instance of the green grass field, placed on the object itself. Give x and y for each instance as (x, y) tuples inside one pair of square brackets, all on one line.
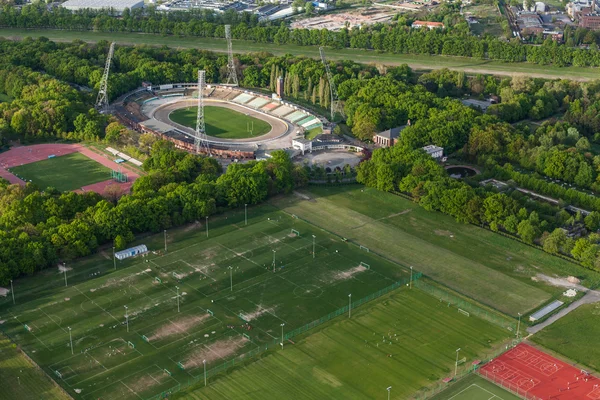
[(474, 387), (222, 122), (421, 62), (490, 268), (68, 172), (406, 340), (574, 336), (22, 380), (108, 362)]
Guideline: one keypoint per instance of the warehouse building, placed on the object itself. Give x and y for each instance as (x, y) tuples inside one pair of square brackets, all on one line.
[(116, 5)]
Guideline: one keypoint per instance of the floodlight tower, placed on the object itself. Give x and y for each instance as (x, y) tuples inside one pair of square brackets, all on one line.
[(200, 141), (231, 74), (102, 99), (336, 105)]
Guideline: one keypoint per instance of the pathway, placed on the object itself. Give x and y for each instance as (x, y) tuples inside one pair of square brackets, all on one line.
[(592, 296)]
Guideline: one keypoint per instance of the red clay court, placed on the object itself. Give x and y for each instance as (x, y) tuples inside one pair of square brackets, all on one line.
[(537, 375), (22, 155)]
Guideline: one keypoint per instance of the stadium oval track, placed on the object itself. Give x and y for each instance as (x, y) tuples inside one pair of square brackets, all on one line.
[(279, 128)]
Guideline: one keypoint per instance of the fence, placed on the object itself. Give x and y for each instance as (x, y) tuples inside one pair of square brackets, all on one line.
[(508, 386), (443, 295), (240, 360)]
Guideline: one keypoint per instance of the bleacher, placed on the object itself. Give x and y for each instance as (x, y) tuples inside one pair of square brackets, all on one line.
[(258, 102), (281, 111), (313, 126), (308, 120), (270, 106), (295, 116), (243, 98)]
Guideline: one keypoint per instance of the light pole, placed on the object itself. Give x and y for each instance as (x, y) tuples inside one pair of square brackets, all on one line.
[(389, 389), (165, 232), (456, 363), (411, 276), (177, 287), (114, 259), (349, 305), (274, 260), (71, 340), (65, 271), (204, 362), (207, 226), (519, 326), (282, 335), (245, 214), (314, 237), (230, 278), (12, 291), (126, 318)]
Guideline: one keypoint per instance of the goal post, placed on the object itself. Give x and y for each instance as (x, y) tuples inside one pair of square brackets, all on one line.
[(295, 232), (168, 372), (57, 373), (157, 279), (176, 275), (364, 248), (463, 312), (180, 365), (365, 265), (212, 314), (145, 339), (131, 345)]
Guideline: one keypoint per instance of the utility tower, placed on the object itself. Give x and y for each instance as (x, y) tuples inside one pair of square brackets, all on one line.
[(102, 99), (231, 74), (200, 140), (336, 105)]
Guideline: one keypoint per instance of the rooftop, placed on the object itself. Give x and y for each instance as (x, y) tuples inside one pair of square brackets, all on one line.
[(392, 133), (116, 4)]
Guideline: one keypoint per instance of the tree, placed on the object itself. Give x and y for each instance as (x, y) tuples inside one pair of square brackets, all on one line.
[(583, 144), (592, 221), (310, 8), (527, 231), (120, 242), (553, 242)]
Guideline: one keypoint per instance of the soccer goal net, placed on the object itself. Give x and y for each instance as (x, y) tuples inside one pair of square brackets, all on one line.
[(157, 279), (295, 232), (177, 276), (58, 374), (463, 312), (131, 345), (365, 265), (364, 248)]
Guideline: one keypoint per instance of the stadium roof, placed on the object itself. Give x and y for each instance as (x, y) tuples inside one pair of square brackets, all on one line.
[(96, 4)]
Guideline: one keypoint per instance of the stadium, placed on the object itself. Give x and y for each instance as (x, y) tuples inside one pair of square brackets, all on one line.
[(239, 123)]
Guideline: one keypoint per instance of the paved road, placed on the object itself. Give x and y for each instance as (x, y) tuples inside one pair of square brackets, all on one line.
[(592, 296)]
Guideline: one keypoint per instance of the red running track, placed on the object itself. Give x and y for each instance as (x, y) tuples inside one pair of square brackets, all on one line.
[(29, 154), (535, 374)]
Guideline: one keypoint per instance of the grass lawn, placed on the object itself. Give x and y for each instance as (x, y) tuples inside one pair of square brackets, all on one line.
[(574, 336), (314, 132), (478, 263), (22, 380), (406, 340), (222, 122), (474, 387), (68, 172), (469, 65)]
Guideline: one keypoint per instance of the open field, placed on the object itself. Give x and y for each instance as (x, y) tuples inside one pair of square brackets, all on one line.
[(474, 387), (22, 380), (207, 299), (575, 336), (406, 339), (222, 122), (68, 172), (490, 268), (420, 62)]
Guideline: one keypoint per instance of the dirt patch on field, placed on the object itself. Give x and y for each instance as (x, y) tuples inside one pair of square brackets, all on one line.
[(147, 381), (105, 255), (260, 310), (440, 232), (348, 274), (560, 282), (4, 292), (292, 235), (178, 326), (219, 350)]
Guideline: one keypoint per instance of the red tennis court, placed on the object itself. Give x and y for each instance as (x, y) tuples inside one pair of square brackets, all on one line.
[(535, 374)]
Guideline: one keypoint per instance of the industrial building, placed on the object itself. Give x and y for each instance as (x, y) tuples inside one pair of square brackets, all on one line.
[(131, 252), (116, 5)]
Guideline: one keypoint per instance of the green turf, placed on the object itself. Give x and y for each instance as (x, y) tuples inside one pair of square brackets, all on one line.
[(310, 135), (406, 340), (574, 336), (222, 122), (495, 270), (301, 290), (21, 380), (470, 65), (474, 387), (68, 172)]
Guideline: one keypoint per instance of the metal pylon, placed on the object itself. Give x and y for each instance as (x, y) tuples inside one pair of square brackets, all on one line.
[(200, 141), (336, 105), (231, 74), (102, 98)]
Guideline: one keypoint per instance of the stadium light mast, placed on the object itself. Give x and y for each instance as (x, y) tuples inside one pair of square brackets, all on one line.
[(231, 74), (456, 364), (102, 98), (389, 389), (177, 287), (12, 291), (230, 278), (350, 305), (274, 251), (71, 340), (314, 237), (126, 318), (204, 362), (245, 214), (411, 269), (336, 105), (65, 272), (519, 326), (114, 259), (207, 226), (282, 325), (200, 141)]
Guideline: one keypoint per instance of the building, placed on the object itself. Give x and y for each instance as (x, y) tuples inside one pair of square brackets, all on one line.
[(529, 23), (302, 144), (479, 104), (388, 137), (578, 7), (328, 138), (131, 252), (590, 21), (428, 24), (116, 5), (434, 151)]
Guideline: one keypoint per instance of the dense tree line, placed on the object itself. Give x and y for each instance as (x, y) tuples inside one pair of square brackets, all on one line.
[(395, 38), (40, 226)]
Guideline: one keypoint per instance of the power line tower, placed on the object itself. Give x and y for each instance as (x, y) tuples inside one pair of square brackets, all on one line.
[(336, 105), (200, 141), (231, 74), (102, 99)]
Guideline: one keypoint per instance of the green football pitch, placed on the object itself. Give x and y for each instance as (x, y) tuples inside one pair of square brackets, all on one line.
[(222, 122), (474, 387), (68, 172)]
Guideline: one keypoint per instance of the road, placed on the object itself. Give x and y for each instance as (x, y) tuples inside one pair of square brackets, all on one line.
[(418, 62)]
